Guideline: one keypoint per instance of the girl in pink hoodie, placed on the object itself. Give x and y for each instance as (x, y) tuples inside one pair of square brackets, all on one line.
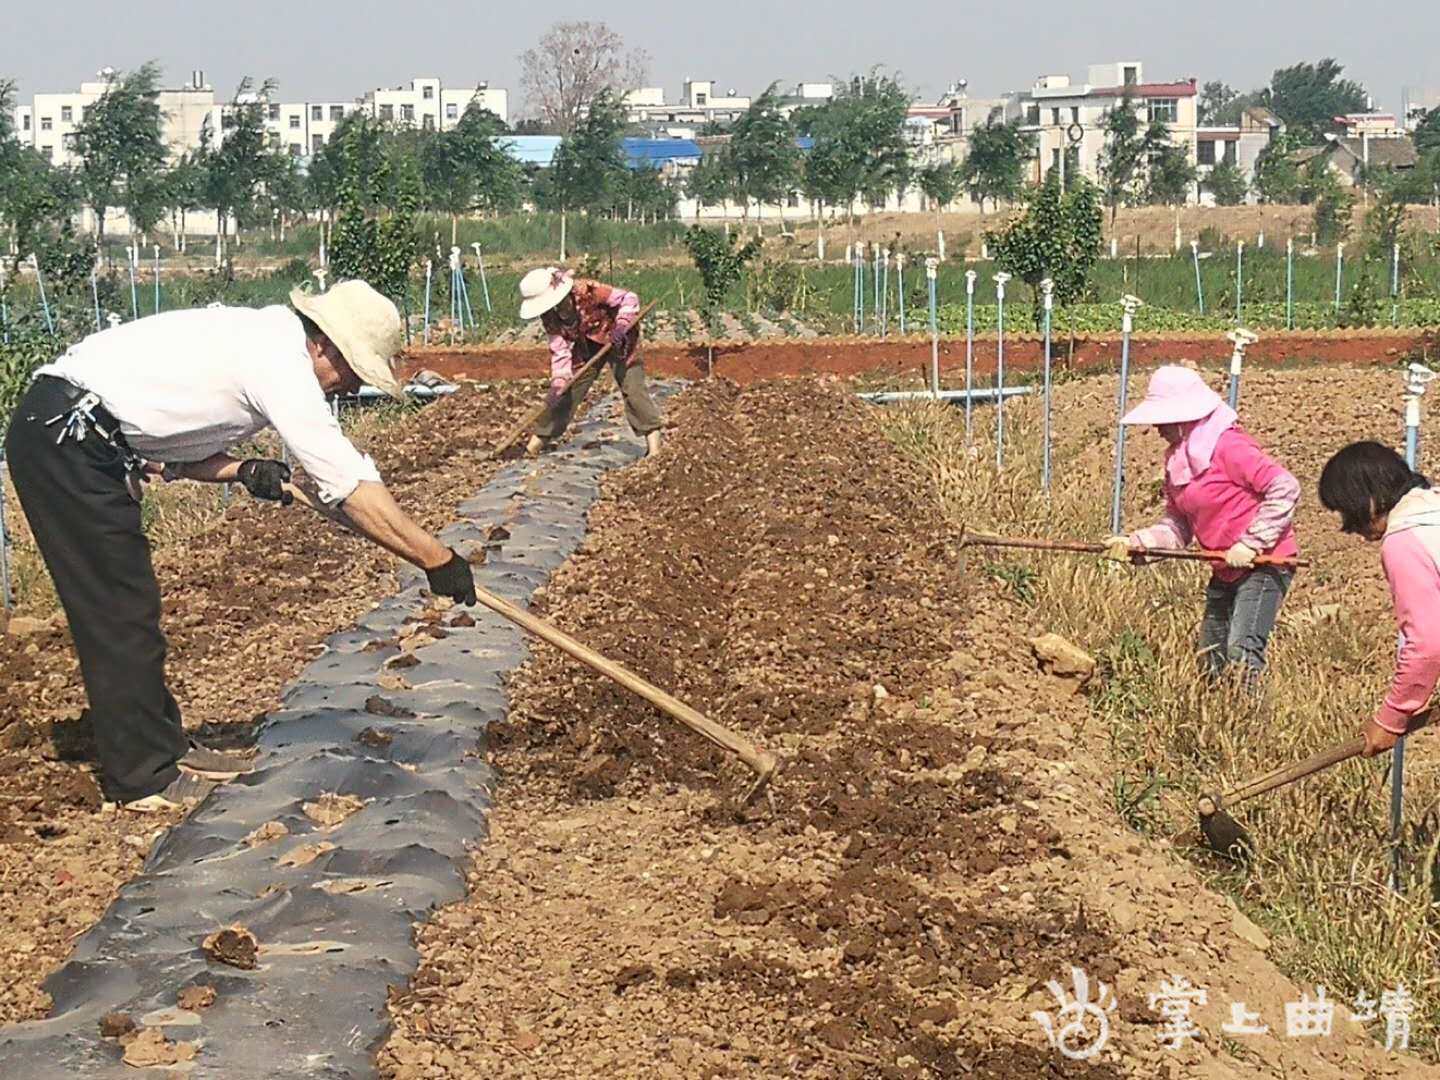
[(1224, 492), (1379, 497)]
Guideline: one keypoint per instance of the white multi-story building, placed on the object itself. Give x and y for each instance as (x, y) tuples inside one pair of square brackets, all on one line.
[(1416, 102), (48, 123), (1067, 120), (302, 128), (428, 104), (698, 105)]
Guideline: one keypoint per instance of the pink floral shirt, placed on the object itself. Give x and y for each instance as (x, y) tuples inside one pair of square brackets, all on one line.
[(606, 314)]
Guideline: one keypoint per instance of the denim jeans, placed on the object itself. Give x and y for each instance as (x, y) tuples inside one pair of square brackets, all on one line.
[(1239, 616)]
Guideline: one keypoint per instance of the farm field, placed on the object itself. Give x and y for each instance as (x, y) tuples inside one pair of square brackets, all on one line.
[(952, 826)]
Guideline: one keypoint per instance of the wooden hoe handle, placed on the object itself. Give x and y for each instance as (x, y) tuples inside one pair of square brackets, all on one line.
[(1333, 755), (761, 762), (1079, 548), (528, 421)]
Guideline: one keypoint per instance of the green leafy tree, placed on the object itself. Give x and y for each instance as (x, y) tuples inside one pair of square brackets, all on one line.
[(185, 192), (375, 238), (1129, 147), (1427, 132), (1227, 183), (710, 183), (763, 159), (1334, 204), (118, 143), (1307, 97), (1056, 234), (589, 167), (238, 169), (467, 169), (1217, 102), (859, 142), (1277, 177), (1170, 176), (994, 168), (720, 264), (940, 181), (649, 194)]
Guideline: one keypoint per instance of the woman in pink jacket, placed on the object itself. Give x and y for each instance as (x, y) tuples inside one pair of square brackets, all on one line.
[(1379, 497), (1225, 493), (580, 318)]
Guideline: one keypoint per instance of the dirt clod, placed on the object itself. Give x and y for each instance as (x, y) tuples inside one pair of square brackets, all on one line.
[(115, 1024), (234, 946), (195, 998), (331, 809)]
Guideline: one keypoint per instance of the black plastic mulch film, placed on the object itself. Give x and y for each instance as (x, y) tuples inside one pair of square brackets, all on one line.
[(339, 930)]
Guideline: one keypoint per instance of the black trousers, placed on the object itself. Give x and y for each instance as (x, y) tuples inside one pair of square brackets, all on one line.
[(88, 530)]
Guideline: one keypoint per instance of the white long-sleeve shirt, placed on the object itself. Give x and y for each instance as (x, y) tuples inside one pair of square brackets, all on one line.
[(186, 385)]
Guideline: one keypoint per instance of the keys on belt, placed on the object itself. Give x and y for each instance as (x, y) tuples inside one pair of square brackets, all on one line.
[(79, 420)]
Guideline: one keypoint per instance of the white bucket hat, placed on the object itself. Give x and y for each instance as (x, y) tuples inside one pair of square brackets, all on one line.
[(542, 289), (364, 326)]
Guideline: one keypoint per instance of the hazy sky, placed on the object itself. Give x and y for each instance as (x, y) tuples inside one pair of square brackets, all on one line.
[(325, 50)]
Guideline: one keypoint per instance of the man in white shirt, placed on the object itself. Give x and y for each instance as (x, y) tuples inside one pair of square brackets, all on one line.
[(176, 391)]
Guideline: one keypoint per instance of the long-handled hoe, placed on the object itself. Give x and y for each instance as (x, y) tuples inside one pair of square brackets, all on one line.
[(968, 539), (761, 762), (1226, 836)]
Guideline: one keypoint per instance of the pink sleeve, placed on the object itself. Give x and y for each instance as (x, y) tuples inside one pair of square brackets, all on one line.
[(561, 363), (1415, 588), (627, 310), (1171, 533), (1248, 465)]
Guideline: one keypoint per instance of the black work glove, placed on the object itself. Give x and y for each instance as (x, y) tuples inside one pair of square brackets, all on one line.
[(453, 579), (264, 480)]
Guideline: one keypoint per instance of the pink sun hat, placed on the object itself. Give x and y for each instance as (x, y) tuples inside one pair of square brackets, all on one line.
[(1176, 395)]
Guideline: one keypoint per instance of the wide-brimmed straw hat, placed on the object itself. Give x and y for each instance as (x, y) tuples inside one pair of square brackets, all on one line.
[(1176, 395), (364, 326), (542, 289)]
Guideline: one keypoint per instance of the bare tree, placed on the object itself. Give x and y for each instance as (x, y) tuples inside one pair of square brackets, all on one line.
[(571, 64)]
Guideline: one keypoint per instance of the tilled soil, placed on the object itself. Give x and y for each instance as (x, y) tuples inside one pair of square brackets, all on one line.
[(247, 604), (940, 843)]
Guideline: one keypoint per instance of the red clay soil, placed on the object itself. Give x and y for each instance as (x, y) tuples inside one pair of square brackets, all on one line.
[(747, 364)]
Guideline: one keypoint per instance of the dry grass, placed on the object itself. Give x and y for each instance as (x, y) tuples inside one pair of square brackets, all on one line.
[(1319, 882)]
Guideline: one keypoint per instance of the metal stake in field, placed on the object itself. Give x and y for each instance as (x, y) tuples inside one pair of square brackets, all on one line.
[(1047, 292), (1290, 284), (157, 279), (1339, 273), (5, 598), (40, 285), (484, 282), (900, 288), (857, 265), (132, 262), (932, 273), (1127, 325), (429, 278), (876, 303), (1000, 280), (1199, 289), (1239, 280), (970, 277), (1395, 285), (884, 293), (1416, 380), (1241, 339), (95, 293)]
